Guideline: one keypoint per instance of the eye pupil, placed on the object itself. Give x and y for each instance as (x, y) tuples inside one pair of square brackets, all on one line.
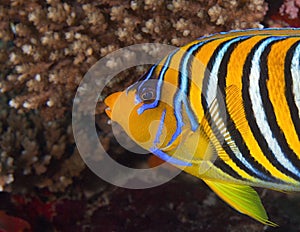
[(147, 95)]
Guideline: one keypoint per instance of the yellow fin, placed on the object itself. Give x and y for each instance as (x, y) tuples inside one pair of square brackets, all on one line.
[(213, 116), (217, 114), (243, 198), (235, 107)]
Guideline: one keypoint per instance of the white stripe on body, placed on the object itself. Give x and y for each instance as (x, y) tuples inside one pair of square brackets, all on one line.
[(259, 113), (295, 70)]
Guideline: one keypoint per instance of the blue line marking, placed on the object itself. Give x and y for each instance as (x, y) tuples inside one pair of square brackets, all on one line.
[(179, 121), (181, 97), (158, 87), (137, 97), (164, 156), (193, 120), (160, 128)]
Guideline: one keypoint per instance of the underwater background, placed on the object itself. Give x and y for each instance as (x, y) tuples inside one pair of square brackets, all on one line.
[(46, 47)]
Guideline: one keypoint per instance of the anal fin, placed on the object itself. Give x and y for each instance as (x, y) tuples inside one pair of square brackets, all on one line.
[(243, 198)]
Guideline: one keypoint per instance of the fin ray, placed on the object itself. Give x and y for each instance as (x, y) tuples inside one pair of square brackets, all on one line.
[(243, 198)]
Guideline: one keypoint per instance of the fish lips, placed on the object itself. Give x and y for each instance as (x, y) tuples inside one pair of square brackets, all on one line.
[(110, 101)]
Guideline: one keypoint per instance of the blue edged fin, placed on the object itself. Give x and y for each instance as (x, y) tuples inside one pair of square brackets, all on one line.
[(243, 198)]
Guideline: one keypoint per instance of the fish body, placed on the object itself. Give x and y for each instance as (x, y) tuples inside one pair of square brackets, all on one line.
[(224, 108)]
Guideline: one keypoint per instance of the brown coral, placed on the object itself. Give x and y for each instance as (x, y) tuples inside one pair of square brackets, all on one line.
[(47, 47)]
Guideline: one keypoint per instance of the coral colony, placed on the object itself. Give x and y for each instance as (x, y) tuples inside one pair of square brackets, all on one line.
[(50, 45)]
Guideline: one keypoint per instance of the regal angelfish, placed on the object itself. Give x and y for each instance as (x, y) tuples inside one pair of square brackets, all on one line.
[(226, 109)]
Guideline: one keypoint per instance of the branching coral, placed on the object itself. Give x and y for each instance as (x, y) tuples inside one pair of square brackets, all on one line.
[(47, 47), (291, 8)]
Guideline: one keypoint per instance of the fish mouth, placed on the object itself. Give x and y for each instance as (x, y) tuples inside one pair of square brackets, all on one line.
[(110, 101), (108, 112)]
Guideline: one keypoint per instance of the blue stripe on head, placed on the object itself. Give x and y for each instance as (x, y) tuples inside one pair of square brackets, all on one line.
[(179, 121), (193, 120), (164, 156), (184, 65), (158, 86), (144, 78), (160, 128), (181, 95), (149, 75)]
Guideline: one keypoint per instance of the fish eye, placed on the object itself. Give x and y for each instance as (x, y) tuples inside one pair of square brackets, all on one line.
[(147, 94)]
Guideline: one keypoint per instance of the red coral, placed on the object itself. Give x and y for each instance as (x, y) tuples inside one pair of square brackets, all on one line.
[(12, 224), (290, 8), (37, 211), (60, 213), (283, 14)]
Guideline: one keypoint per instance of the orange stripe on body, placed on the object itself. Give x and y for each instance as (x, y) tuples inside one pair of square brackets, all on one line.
[(276, 89), (198, 68), (234, 75)]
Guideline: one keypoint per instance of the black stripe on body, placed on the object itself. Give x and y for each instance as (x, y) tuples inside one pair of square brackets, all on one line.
[(185, 68), (269, 108), (234, 132), (213, 126), (218, 163), (288, 88), (250, 115)]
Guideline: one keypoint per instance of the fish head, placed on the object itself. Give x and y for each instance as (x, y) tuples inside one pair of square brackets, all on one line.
[(145, 111)]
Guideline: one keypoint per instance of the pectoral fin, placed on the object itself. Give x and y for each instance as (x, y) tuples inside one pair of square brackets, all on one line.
[(242, 198)]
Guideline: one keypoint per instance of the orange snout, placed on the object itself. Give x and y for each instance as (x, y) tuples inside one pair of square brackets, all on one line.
[(110, 102)]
